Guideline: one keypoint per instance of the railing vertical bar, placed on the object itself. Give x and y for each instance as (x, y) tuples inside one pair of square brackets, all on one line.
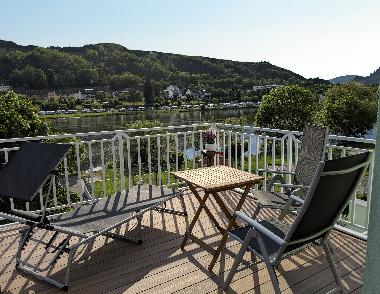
[(282, 158), (168, 157), (236, 150), (229, 149), (139, 158), (91, 169), (216, 158), (257, 158), (55, 200), (149, 163), (273, 157), (330, 155), (201, 146), (159, 159), (176, 154), (130, 176), (41, 200), (79, 172), (242, 156), (68, 198), (224, 147), (114, 166), (193, 148), (250, 153), (265, 162), (121, 163), (184, 150), (104, 186), (289, 155)]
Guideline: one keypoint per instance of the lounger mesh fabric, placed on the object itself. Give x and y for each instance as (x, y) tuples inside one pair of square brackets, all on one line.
[(110, 210)]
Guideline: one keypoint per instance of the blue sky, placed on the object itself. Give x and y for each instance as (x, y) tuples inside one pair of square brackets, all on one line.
[(313, 38)]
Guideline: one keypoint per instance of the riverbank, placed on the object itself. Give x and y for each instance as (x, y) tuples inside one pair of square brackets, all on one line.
[(129, 112), (92, 122)]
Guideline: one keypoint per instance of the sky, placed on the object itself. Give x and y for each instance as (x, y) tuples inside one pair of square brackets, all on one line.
[(316, 38)]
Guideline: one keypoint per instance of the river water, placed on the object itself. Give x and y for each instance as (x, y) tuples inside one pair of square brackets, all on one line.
[(117, 122)]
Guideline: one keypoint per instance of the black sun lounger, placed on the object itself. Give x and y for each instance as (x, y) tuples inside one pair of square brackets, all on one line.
[(31, 167)]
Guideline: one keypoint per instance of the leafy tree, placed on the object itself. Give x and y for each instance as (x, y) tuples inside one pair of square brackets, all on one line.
[(124, 81), (349, 109), (148, 92), (87, 77), (287, 107), (19, 118), (29, 77)]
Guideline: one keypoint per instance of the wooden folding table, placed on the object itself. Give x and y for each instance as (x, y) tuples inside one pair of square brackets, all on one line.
[(214, 180)]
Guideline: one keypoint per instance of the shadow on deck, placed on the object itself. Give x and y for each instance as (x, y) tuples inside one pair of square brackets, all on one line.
[(160, 266)]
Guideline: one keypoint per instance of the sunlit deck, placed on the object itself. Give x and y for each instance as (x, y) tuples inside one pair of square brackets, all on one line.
[(160, 266)]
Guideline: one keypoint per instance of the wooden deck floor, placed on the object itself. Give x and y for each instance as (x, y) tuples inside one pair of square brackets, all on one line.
[(160, 266)]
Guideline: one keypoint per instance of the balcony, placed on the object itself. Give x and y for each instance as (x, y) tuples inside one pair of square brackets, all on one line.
[(103, 163)]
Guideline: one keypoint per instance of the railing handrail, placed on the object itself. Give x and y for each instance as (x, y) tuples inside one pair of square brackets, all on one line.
[(244, 127)]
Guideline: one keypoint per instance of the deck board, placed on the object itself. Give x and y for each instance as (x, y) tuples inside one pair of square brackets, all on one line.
[(160, 266)]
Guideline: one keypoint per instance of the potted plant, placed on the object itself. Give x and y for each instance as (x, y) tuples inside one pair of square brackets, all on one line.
[(209, 139)]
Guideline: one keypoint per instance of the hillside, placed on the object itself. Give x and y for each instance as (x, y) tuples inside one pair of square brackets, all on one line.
[(372, 79), (118, 67), (343, 79)]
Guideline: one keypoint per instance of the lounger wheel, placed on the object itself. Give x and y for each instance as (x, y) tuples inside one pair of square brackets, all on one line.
[(139, 242), (65, 288)]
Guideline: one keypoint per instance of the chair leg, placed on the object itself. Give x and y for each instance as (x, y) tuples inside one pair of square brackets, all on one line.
[(238, 259), (257, 211), (270, 267), (326, 248), (285, 209)]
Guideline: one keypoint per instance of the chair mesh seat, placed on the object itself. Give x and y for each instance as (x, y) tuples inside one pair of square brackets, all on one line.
[(111, 210), (276, 226), (268, 198)]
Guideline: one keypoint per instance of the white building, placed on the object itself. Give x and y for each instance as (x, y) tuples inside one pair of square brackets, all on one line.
[(174, 91), (265, 87), (4, 88)]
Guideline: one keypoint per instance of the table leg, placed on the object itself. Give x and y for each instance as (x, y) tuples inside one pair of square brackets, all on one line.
[(207, 210), (196, 216), (231, 224)]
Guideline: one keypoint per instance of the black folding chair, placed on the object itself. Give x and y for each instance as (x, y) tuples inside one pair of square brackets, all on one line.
[(27, 172), (334, 183)]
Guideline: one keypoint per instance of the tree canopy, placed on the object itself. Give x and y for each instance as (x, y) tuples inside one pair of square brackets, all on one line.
[(287, 107), (19, 118), (349, 109)]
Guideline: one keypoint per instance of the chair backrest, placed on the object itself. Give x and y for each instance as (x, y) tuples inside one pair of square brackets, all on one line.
[(333, 185), (29, 168), (314, 140)]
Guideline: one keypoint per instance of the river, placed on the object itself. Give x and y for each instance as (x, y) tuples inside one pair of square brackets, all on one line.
[(117, 122)]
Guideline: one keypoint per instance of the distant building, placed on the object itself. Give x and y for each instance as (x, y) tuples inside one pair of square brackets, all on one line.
[(4, 88), (174, 92), (265, 87), (51, 95)]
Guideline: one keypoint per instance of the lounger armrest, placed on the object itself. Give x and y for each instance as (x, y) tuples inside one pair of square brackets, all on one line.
[(259, 228), (297, 199)]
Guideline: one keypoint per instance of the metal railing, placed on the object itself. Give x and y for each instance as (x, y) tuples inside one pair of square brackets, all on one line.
[(107, 162)]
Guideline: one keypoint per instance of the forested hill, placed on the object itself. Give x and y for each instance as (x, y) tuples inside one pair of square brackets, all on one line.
[(372, 79), (116, 66)]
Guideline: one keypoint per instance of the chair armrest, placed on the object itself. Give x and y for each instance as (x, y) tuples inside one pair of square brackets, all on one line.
[(297, 199), (294, 186), (276, 171), (259, 228)]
